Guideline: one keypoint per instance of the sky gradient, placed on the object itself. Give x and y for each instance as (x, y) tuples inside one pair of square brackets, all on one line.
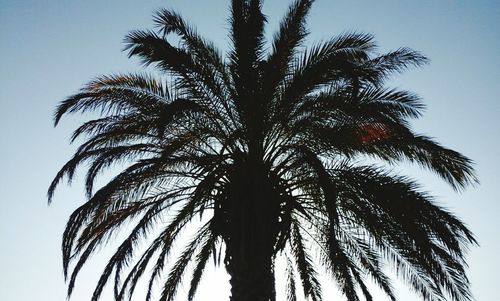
[(49, 49)]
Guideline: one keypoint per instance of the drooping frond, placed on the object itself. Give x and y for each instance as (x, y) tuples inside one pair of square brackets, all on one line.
[(290, 280), (306, 271)]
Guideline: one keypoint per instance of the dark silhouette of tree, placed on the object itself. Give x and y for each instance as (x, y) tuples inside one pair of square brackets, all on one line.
[(262, 151)]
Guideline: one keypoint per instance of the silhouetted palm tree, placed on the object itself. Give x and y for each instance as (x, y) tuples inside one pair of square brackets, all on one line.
[(263, 150)]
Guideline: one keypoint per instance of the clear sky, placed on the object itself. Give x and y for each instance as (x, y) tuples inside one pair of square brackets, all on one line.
[(49, 49)]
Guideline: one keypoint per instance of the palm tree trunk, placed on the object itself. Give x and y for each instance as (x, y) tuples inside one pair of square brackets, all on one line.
[(251, 278), (252, 222)]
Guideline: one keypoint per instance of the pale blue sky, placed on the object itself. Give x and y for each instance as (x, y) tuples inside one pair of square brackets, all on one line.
[(48, 49)]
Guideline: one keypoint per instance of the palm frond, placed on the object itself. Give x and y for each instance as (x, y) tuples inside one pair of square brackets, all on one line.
[(291, 287), (306, 271), (175, 275), (207, 249), (291, 34)]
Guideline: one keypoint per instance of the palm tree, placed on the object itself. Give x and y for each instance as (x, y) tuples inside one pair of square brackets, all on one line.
[(261, 152)]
